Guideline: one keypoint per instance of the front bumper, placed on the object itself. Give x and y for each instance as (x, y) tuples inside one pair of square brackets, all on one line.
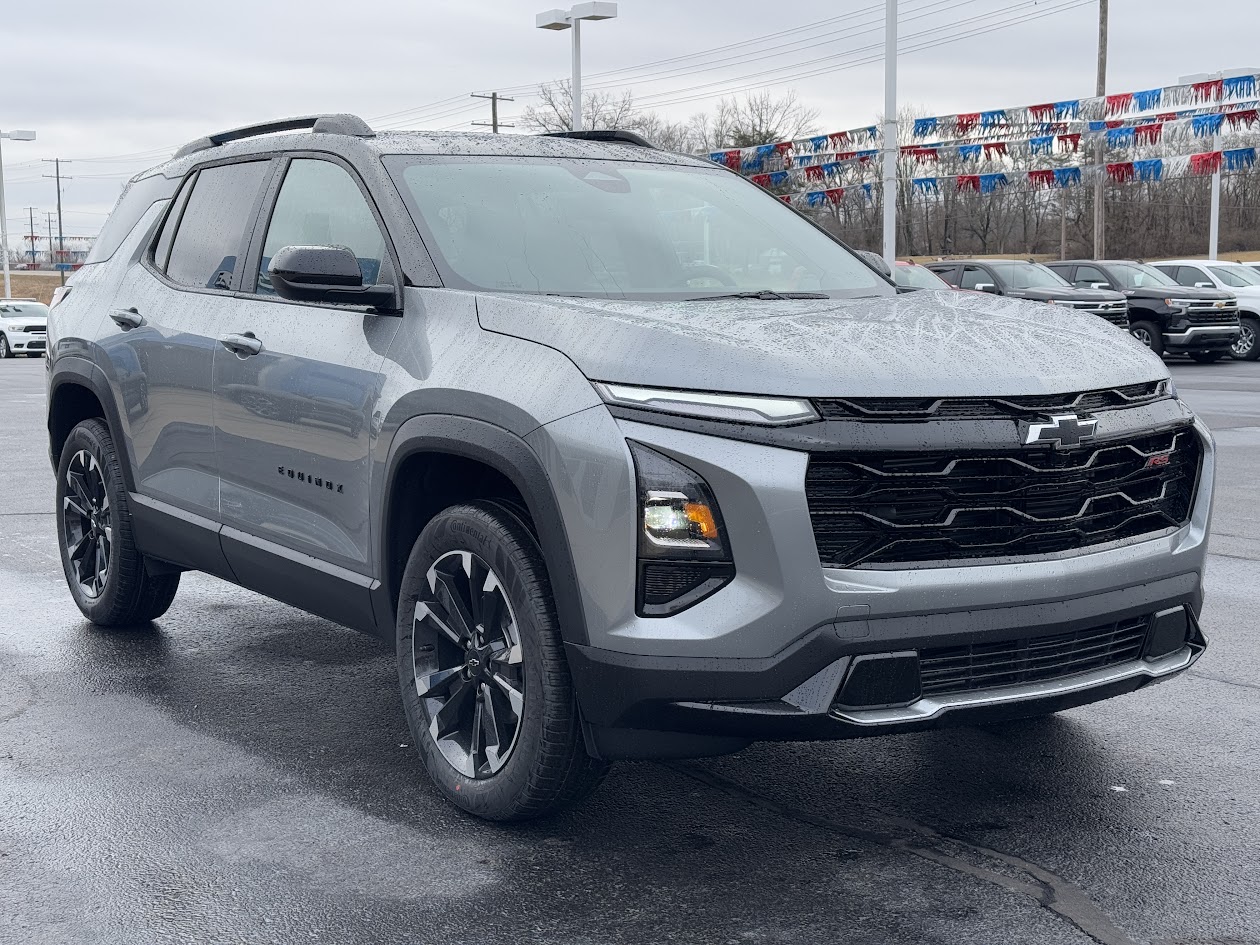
[(24, 343), (1203, 338), (765, 657), (666, 707)]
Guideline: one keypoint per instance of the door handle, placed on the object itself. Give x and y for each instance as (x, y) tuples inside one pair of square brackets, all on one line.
[(243, 345), (126, 318)]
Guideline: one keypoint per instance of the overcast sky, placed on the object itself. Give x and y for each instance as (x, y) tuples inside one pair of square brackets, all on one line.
[(130, 81)]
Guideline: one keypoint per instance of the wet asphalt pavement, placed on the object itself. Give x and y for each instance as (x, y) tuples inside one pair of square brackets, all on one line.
[(241, 772)]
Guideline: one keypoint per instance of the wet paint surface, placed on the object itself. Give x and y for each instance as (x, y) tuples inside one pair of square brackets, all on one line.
[(241, 772)]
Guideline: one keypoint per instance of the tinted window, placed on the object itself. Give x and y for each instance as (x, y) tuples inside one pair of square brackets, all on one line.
[(618, 229), (138, 197), (973, 276), (1190, 275), (948, 273), (1088, 275), (211, 235), (163, 247), (321, 205)]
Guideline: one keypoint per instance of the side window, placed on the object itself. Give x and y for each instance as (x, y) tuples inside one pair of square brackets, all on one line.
[(973, 276), (135, 201), (212, 229), (948, 273), (1087, 275), (1190, 275), (320, 204), (162, 249)]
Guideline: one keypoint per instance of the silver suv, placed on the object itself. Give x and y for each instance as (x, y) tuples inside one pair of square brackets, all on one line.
[(626, 457)]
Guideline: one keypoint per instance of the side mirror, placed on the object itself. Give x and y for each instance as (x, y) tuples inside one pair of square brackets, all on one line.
[(986, 287), (327, 274), (876, 262)]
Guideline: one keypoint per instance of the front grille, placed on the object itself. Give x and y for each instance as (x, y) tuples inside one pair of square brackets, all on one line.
[(1211, 315), (35, 345), (1115, 312), (901, 507), (1037, 406), (41, 329), (954, 669)]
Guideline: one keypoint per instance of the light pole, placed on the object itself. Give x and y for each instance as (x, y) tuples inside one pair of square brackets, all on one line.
[(892, 144), (1214, 212), (572, 19), (4, 220)]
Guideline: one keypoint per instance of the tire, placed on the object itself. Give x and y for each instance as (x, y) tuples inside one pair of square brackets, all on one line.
[(113, 588), (1149, 334), (1207, 357), (1247, 347), (5, 351), (532, 705)]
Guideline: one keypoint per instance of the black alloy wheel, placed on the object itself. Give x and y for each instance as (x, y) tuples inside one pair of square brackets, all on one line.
[(467, 656), (87, 525), (485, 683), (110, 579)]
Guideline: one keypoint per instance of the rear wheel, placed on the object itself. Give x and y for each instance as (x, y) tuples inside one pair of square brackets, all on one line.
[(1148, 333), (1206, 357), (105, 571), (485, 685), (1247, 347)]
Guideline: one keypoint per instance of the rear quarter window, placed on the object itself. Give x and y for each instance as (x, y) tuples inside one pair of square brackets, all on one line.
[(135, 201)]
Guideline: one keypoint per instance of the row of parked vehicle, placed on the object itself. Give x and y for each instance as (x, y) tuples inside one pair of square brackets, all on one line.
[(1206, 310)]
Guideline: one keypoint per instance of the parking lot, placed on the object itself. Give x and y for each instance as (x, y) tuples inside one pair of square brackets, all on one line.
[(241, 773)]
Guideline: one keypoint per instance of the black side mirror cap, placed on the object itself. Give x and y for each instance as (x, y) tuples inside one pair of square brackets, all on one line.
[(328, 275)]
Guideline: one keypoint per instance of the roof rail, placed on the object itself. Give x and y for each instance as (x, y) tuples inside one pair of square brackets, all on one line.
[(342, 124), (609, 134)]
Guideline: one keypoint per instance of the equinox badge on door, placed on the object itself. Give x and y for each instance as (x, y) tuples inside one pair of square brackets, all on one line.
[(1061, 431)]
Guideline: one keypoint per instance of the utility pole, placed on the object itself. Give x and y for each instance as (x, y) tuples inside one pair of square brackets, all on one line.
[(48, 215), (31, 212), (495, 99), (891, 144), (1100, 209), (61, 239)]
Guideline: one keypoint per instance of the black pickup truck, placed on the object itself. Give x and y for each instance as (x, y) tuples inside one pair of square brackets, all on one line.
[(1166, 317), (1018, 279)]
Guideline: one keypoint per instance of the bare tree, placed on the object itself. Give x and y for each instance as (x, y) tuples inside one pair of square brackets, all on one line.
[(759, 118), (600, 110)]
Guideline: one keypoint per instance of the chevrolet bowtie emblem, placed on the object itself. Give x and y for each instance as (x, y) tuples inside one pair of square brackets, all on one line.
[(1061, 431)]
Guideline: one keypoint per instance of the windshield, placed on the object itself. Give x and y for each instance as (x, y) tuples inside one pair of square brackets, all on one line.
[(1235, 276), (1021, 275), (23, 310), (617, 229), (1138, 276), (919, 277)]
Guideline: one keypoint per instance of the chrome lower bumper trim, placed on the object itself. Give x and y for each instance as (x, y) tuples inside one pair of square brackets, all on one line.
[(1223, 331), (930, 707)]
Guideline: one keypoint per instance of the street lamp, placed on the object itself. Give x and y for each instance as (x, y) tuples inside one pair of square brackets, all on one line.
[(4, 220), (566, 19)]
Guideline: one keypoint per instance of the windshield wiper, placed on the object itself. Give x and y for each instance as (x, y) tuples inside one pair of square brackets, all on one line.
[(764, 295)]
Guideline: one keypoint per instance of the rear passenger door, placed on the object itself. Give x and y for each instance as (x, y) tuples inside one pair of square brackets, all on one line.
[(295, 420), (162, 331)]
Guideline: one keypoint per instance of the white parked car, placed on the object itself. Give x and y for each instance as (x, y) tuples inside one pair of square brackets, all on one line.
[(23, 327), (1239, 278)]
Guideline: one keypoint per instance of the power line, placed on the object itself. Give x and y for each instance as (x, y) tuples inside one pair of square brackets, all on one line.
[(494, 98)]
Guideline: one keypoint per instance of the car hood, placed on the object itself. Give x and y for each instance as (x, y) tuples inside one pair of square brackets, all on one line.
[(1179, 292), (929, 343), (1067, 294), (22, 324)]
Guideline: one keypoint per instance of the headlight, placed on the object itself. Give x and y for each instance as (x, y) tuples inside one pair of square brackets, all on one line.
[(683, 552), (733, 408)]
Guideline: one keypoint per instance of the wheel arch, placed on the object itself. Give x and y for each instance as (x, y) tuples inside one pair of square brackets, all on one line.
[(77, 391), (489, 462)]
